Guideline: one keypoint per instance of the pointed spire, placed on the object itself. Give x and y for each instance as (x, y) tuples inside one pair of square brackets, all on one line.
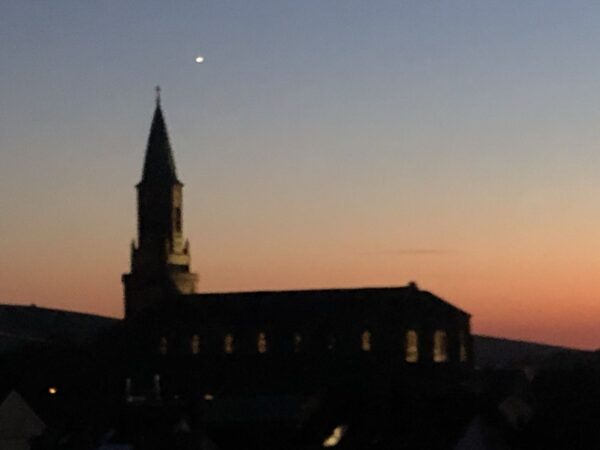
[(159, 165)]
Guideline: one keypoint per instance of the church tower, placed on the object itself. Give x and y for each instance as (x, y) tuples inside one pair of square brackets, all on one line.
[(160, 260)]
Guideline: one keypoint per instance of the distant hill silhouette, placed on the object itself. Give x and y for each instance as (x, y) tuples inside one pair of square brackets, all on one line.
[(492, 352), (22, 326)]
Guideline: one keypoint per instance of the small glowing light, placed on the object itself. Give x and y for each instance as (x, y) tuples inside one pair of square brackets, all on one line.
[(52, 390), (336, 435), (209, 397), (199, 59)]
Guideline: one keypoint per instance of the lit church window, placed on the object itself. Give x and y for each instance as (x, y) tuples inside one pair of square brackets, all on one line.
[(365, 341), (463, 355), (195, 344), (261, 343), (440, 346), (411, 346), (228, 343), (163, 346), (297, 342)]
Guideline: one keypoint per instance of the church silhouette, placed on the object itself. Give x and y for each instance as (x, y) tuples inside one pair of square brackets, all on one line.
[(283, 341)]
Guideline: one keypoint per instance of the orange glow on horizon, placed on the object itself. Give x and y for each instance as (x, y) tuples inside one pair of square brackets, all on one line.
[(552, 304)]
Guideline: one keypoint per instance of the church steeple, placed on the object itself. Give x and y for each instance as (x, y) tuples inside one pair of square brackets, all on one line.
[(160, 262), (159, 165)]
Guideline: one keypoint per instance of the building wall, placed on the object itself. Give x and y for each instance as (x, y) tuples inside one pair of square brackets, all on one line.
[(223, 341)]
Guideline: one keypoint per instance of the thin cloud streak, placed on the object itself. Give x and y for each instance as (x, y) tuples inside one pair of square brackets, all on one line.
[(415, 252)]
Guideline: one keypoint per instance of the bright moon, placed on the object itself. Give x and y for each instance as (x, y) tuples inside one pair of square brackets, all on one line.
[(200, 59)]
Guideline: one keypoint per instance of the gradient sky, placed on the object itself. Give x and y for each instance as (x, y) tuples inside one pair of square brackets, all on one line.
[(322, 144)]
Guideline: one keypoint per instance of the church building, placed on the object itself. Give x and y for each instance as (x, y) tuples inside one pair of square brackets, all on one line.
[(286, 338)]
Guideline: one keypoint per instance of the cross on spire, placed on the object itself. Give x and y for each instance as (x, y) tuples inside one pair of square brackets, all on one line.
[(157, 90)]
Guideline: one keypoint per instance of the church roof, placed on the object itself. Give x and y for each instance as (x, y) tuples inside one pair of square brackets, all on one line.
[(159, 164), (367, 300)]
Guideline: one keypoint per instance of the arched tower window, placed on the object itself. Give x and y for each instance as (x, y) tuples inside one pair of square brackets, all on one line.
[(163, 346), (177, 219), (411, 346), (297, 342), (365, 341), (228, 343), (440, 346), (261, 343), (195, 344), (462, 350)]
